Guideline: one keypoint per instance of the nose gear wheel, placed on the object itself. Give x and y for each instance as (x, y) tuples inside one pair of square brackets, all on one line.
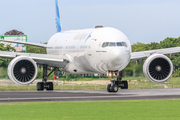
[(115, 84)]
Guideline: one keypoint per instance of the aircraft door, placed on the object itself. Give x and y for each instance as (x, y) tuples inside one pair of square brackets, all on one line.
[(89, 52)]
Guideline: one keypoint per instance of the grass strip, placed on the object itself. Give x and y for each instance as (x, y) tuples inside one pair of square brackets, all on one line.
[(93, 110)]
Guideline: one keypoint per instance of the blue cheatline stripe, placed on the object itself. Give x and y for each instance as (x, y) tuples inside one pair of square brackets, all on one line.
[(58, 17)]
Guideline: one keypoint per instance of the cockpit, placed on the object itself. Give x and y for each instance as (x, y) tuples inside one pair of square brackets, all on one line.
[(114, 44)]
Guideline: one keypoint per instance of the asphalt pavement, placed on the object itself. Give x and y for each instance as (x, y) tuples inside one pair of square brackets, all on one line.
[(88, 95)]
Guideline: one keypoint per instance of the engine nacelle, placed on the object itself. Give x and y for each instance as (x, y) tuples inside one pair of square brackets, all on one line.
[(22, 70), (158, 68)]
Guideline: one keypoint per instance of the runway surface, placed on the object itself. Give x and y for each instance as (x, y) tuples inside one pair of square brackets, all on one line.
[(88, 95)]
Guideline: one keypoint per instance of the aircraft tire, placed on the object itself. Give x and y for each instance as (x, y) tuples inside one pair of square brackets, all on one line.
[(109, 88), (114, 88), (125, 85), (49, 86), (40, 86)]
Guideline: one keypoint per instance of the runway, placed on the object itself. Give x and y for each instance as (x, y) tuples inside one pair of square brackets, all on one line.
[(88, 95)]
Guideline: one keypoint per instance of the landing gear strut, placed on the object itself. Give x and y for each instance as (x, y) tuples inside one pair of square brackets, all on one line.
[(44, 84), (115, 84)]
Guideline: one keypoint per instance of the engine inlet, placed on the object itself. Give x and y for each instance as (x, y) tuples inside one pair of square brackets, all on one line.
[(24, 71), (159, 68)]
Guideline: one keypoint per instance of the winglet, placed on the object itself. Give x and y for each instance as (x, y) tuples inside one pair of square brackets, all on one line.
[(58, 17)]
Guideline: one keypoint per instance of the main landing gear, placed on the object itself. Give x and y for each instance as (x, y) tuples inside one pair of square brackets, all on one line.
[(44, 84), (115, 84)]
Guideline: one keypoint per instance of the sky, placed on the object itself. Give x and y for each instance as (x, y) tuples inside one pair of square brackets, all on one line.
[(140, 20)]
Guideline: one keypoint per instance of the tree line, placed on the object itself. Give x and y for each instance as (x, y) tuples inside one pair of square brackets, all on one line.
[(137, 70), (131, 70)]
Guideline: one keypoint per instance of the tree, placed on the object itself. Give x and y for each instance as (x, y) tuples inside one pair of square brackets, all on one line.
[(14, 32), (153, 45), (4, 61), (166, 43), (34, 49), (138, 47)]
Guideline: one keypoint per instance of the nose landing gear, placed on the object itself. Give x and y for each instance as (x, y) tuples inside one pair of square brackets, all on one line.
[(116, 84)]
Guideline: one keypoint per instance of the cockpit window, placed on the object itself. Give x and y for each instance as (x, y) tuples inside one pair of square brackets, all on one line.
[(103, 45), (114, 44), (119, 44), (107, 44), (124, 44)]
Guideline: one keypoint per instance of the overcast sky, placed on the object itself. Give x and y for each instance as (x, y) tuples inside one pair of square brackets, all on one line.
[(140, 20)]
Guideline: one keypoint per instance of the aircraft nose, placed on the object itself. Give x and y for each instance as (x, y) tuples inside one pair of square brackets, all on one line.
[(118, 56)]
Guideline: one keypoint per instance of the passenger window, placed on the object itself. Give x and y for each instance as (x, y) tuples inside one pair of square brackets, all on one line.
[(112, 44), (119, 44)]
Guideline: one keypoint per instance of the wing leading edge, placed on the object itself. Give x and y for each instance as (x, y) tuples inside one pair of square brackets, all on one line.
[(143, 54), (50, 60), (25, 43)]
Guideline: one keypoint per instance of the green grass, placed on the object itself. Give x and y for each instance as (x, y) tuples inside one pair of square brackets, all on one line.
[(83, 79), (87, 79), (134, 78), (93, 110), (141, 83), (90, 79), (56, 87)]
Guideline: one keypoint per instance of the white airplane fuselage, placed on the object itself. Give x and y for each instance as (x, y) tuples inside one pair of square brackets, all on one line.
[(94, 50)]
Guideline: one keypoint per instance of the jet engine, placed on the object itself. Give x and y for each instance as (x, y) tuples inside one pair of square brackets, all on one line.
[(158, 68), (22, 70)]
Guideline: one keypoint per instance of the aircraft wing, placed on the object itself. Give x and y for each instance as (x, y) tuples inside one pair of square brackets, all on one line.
[(143, 54), (50, 60), (25, 43)]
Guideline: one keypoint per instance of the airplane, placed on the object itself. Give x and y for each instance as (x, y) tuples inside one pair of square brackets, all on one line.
[(87, 51)]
